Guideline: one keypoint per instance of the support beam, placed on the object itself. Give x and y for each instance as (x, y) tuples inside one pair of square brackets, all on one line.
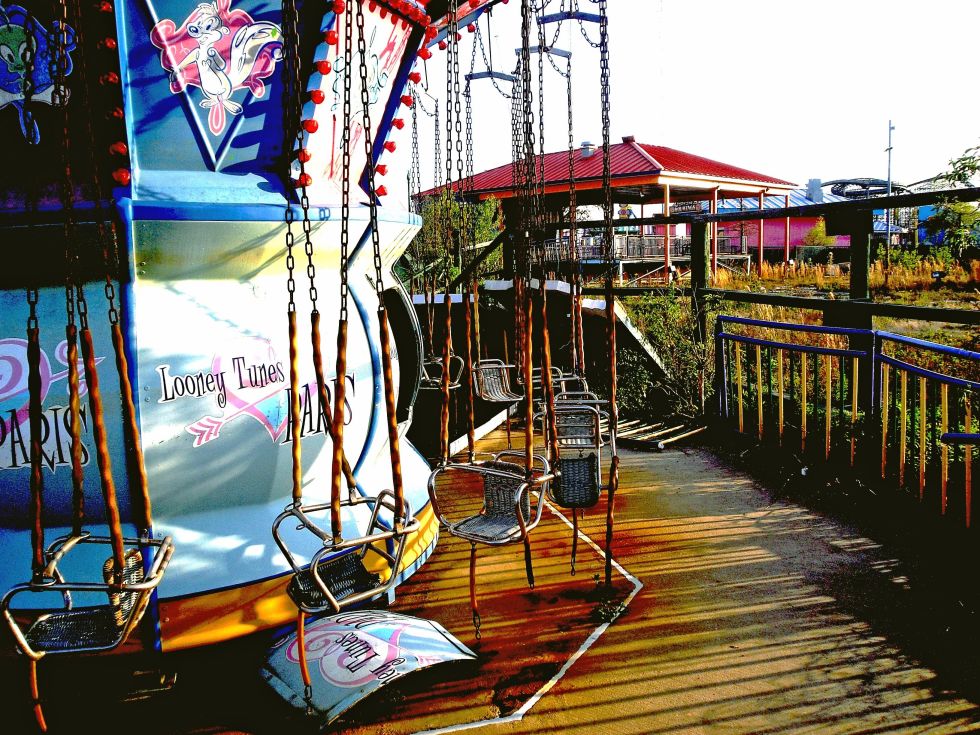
[(786, 233), (762, 230), (714, 232), (569, 15), (466, 274), (667, 234), (491, 75), (547, 50)]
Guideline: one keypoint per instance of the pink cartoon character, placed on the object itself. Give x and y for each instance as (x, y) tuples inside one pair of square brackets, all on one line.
[(219, 51)]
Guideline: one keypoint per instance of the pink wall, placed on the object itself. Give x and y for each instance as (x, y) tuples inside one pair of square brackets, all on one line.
[(775, 232)]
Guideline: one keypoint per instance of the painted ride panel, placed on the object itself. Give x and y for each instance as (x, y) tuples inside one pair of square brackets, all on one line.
[(203, 296)]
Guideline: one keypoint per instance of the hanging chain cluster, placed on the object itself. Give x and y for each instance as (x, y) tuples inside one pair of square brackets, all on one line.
[(369, 153), (607, 203), (581, 27), (488, 61), (290, 124), (415, 169), (346, 170)]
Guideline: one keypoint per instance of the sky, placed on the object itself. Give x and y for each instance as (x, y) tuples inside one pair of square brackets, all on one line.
[(788, 88)]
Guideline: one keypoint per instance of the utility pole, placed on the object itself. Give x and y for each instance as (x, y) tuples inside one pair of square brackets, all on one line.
[(888, 212)]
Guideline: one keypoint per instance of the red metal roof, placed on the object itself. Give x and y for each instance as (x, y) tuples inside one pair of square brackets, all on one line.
[(672, 160), (627, 159)]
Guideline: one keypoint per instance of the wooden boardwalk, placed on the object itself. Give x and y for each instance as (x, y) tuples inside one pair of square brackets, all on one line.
[(755, 616)]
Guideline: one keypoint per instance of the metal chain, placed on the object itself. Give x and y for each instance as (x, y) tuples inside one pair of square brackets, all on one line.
[(585, 34), (58, 69), (554, 39), (295, 106), (369, 153), (290, 65), (527, 123), (29, 57), (469, 138), (452, 65), (488, 63), (346, 165), (105, 220), (422, 107), (415, 171), (607, 203), (539, 171), (437, 173), (572, 193), (30, 27)]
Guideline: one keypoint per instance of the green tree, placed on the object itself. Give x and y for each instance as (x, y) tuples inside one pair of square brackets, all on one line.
[(817, 237), (958, 221), (450, 229)]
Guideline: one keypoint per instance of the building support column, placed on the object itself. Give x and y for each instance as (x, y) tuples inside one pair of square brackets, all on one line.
[(714, 233), (786, 234), (762, 231), (667, 234), (700, 274)]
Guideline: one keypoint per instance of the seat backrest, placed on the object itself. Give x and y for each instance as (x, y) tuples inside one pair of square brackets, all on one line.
[(498, 491), (577, 483)]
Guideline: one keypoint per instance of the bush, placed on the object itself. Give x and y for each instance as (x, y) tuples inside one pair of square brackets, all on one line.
[(666, 321)]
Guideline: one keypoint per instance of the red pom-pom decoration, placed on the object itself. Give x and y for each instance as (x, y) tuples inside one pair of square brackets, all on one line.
[(331, 37), (119, 148), (303, 155), (324, 67), (415, 77), (317, 96), (339, 6), (390, 146), (311, 126), (303, 181), (398, 123), (381, 191), (381, 170), (443, 45), (122, 176), (407, 100), (425, 54)]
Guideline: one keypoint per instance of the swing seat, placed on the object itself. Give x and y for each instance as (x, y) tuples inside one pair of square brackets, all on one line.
[(92, 628), (507, 514), (493, 382), (344, 576), (337, 575), (432, 373), (577, 482)]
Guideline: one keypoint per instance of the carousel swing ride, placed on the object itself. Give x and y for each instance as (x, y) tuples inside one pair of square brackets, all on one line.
[(202, 415)]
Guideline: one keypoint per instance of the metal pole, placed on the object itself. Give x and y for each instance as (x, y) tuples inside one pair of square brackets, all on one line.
[(888, 212)]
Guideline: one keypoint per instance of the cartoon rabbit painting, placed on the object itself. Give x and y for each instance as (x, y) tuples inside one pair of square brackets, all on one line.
[(219, 51)]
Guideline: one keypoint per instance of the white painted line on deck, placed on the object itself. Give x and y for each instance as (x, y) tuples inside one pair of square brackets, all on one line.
[(518, 715)]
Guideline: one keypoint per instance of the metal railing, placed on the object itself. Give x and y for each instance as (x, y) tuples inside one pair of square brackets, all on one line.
[(895, 408), (625, 247)]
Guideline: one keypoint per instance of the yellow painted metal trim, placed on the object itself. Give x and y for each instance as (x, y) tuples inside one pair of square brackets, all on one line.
[(215, 617)]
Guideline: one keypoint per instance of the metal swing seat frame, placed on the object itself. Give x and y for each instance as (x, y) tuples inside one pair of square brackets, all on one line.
[(578, 468), (432, 373), (507, 515), (337, 575), (492, 382), (92, 628)]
